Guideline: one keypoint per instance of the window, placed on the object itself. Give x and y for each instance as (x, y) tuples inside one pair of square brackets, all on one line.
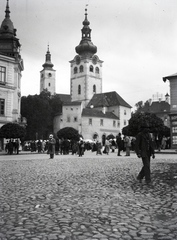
[(125, 122), (2, 106), (114, 123), (79, 89), (49, 74), (125, 112), (118, 124), (49, 84), (90, 121), (81, 69), (68, 119), (75, 119), (101, 122), (75, 70), (174, 129), (2, 74), (91, 68), (94, 88), (97, 70)]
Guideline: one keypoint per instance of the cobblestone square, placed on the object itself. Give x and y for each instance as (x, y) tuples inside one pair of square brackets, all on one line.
[(91, 197)]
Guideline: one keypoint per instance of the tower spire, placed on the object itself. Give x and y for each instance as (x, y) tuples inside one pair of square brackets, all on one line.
[(48, 63), (7, 11), (86, 47)]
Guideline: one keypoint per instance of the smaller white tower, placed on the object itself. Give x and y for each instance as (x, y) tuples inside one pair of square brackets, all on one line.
[(47, 75)]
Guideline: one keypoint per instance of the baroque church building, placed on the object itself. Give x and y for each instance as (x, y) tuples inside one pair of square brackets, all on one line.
[(11, 66), (87, 109)]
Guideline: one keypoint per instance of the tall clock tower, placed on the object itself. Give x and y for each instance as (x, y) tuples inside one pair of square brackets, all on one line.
[(86, 68), (47, 75)]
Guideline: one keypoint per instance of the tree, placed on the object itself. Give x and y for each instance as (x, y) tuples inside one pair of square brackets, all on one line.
[(39, 110), (137, 120), (68, 133), (12, 130)]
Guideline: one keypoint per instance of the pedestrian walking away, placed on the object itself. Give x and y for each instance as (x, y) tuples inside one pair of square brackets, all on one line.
[(144, 149)]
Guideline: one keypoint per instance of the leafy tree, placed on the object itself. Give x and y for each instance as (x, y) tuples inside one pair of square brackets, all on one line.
[(12, 130), (139, 105), (39, 111), (68, 133), (137, 120)]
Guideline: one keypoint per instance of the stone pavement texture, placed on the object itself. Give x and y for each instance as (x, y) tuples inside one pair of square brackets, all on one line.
[(87, 198)]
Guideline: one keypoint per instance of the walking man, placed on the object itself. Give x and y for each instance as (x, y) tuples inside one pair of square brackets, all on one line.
[(144, 150)]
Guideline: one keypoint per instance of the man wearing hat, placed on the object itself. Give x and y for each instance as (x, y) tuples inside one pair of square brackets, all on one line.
[(144, 149), (51, 145)]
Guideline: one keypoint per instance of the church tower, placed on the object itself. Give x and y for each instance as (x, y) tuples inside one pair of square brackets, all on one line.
[(86, 68), (47, 75), (11, 66)]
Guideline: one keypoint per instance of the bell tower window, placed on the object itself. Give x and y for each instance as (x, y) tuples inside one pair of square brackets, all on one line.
[(94, 88), (97, 70), (81, 68), (79, 89), (91, 68), (75, 70)]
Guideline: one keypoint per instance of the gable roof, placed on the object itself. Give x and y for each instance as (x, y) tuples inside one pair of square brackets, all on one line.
[(108, 99), (90, 112), (157, 107), (65, 98)]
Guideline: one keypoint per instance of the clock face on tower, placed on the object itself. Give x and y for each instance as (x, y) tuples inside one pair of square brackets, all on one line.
[(78, 60)]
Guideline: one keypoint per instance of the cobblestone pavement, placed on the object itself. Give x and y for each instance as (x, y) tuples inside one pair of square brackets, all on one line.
[(88, 198)]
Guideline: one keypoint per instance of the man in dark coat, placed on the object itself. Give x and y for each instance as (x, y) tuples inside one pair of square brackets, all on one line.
[(144, 149), (119, 144)]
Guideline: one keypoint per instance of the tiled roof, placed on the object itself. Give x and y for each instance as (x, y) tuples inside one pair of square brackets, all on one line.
[(108, 99), (75, 103), (90, 112), (157, 107), (65, 98)]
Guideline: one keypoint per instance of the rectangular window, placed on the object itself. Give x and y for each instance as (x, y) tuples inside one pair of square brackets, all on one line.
[(114, 123), (174, 129), (101, 122), (90, 121), (2, 106), (125, 122), (75, 119), (2, 74)]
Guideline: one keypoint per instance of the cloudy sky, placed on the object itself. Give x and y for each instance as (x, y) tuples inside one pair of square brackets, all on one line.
[(136, 39)]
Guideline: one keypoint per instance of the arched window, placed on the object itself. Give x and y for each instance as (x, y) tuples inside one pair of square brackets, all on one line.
[(81, 68), (94, 88), (79, 89), (97, 70), (75, 70), (91, 68)]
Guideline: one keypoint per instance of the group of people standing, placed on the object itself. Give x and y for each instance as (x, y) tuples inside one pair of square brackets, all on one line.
[(12, 146)]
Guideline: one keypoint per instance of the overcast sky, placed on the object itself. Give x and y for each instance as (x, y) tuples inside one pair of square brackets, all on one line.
[(136, 39)]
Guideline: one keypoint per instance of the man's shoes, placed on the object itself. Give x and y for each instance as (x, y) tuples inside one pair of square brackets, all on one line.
[(139, 179), (148, 182)]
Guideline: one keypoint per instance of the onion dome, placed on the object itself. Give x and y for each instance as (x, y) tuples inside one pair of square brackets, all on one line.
[(7, 27), (86, 47), (48, 63)]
